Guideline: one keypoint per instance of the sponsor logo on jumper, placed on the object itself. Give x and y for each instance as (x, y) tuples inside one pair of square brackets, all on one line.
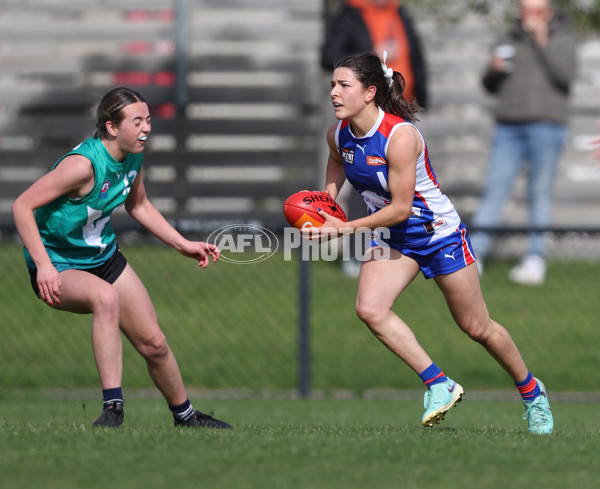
[(432, 226), (362, 148), (376, 161)]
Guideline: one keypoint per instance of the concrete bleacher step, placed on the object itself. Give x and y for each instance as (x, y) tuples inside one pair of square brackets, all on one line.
[(259, 55)]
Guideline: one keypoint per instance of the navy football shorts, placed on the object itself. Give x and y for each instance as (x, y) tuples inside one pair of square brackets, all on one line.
[(443, 256)]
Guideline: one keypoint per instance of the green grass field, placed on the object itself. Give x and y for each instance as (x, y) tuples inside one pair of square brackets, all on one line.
[(236, 326), (234, 329), (286, 443)]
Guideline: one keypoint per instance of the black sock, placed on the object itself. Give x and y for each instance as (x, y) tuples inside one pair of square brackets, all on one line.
[(112, 395), (184, 411)]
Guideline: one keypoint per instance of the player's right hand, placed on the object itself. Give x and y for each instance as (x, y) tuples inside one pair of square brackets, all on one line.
[(48, 281)]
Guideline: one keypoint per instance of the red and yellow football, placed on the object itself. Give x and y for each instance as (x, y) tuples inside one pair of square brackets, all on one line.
[(300, 209)]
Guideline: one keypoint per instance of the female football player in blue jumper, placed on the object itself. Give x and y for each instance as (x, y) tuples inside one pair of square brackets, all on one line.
[(376, 147), (75, 263)]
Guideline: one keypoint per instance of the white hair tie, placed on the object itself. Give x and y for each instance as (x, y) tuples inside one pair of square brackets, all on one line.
[(387, 72)]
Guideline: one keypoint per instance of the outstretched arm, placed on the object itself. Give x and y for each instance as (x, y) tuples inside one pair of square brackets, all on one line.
[(143, 211)]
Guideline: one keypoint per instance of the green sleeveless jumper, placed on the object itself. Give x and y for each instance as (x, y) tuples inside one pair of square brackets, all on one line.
[(77, 233)]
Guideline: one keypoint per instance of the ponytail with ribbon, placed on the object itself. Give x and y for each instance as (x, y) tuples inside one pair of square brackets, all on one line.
[(388, 72)]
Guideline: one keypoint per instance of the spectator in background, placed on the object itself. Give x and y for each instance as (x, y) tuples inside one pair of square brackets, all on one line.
[(374, 26), (530, 73)]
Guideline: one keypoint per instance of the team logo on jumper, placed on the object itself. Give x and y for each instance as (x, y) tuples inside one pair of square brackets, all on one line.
[(104, 190), (348, 155), (435, 225), (376, 161)]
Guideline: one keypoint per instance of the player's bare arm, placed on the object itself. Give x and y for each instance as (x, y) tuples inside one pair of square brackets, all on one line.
[(74, 176), (143, 211), (334, 174)]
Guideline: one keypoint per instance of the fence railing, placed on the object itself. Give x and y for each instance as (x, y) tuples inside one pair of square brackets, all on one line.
[(284, 324)]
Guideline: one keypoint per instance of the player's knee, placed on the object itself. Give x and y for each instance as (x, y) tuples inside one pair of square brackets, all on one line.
[(106, 302), (478, 330), (370, 313), (154, 348)]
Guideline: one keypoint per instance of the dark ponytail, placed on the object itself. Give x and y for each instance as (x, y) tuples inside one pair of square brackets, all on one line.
[(395, 103), (368, 70)]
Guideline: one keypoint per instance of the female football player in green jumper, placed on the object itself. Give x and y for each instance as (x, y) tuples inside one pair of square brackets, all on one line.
[(75, 263)]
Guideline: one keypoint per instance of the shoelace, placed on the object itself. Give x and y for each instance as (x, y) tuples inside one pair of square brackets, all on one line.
[(432, 399), (536, 411), (113, 406)]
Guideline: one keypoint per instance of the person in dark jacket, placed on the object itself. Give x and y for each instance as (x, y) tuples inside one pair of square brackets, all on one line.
[(374, 26)]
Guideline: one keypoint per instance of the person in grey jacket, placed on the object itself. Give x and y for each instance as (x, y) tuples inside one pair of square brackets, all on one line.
[(530, 74)]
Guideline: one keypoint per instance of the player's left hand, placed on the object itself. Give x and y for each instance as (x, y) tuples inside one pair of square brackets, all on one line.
[(202, 252), (331, 228)]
